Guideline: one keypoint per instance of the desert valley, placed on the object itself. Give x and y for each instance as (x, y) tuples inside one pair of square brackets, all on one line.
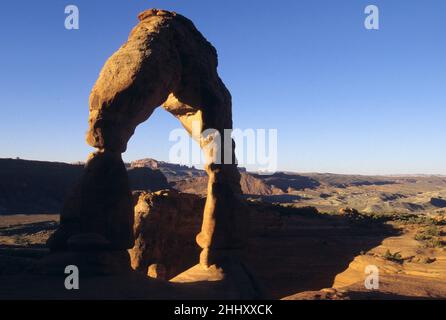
[(311, 236)]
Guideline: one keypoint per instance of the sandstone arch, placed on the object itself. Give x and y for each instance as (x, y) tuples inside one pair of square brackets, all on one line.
[(165, 62)]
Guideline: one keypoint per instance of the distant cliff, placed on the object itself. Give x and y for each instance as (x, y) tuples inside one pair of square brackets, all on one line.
[(30, 187), (173, 172)]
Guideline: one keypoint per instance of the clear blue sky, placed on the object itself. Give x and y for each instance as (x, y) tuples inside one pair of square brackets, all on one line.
[(344, 99)]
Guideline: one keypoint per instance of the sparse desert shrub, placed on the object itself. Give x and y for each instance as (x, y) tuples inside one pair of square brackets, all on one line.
[(431, 237), (428, 233), (420, 236), (433, 231), (410, 219), (437, 220), (366, 219), (286, 209), (440, 220), (394, 257), (434, 243), (428, 260)]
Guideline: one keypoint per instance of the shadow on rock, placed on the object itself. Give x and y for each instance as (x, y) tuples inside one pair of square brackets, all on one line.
[(297, 249)]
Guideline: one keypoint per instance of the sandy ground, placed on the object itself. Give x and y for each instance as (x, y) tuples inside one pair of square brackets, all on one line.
[(392, 198), (18, 231), (294, 257)]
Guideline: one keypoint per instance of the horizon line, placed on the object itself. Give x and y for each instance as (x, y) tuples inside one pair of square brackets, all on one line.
[(252, 172)]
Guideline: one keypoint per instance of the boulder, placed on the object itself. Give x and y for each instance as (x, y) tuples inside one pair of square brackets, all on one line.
[(166, 223)]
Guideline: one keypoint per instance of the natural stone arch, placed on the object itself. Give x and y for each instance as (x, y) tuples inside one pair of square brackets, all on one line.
[(166, 61)]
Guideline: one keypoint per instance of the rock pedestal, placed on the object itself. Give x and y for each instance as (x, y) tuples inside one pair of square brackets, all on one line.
[(101, 206), (96, 226)]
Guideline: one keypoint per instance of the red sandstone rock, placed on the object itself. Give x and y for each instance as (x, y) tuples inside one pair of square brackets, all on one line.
[(166, 223), (165, 61)]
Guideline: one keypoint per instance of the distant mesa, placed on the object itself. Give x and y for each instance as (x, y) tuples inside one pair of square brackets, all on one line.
[(250, 185), (172, 172), (285, 181), (345, 181), (36, 187), (32, 187)]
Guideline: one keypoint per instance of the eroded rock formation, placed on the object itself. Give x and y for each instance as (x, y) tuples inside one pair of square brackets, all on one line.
[(165, 225), (165, 61)]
